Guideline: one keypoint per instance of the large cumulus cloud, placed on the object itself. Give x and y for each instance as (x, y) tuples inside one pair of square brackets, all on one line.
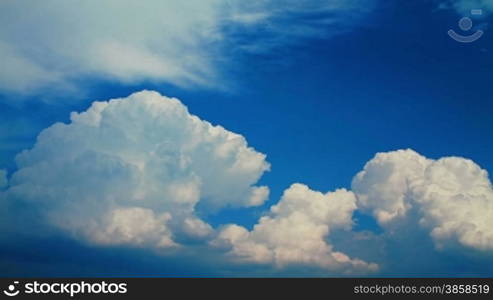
[(131, 171), (452, 196)]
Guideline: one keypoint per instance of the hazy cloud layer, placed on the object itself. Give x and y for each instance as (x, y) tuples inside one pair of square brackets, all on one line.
[(465, 6), (55, 43)]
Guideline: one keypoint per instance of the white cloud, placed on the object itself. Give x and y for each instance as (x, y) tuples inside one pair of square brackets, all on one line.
[(132, 225), (295, 232), (20, 74), (196, 228), (383, 183), (453, 196), (285, 22), (258, 196), (268, 10), (132, 170), (456, 198), (55, 43), (465, 6)]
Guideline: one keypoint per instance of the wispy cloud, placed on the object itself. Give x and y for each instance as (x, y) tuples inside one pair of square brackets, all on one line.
[(286, 22), (465, 6), (53, 43)]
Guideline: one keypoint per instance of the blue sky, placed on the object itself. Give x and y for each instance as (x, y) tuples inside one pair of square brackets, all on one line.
[(318, 89)]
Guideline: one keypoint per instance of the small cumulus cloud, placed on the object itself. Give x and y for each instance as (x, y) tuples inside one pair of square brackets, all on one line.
[(295, 233)]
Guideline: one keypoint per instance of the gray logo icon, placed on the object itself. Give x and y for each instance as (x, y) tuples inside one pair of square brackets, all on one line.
[(465, 24), (11, 292)]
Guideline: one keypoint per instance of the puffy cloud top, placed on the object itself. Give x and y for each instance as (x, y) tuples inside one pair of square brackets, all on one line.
[(382, 185), (132, 171), (127, 41), (453, 196), (456, 199), (295, 232)]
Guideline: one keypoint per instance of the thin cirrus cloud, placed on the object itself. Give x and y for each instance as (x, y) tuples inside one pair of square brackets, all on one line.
[(57, 43), (465, 6), (131, 171), (286, 22)]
